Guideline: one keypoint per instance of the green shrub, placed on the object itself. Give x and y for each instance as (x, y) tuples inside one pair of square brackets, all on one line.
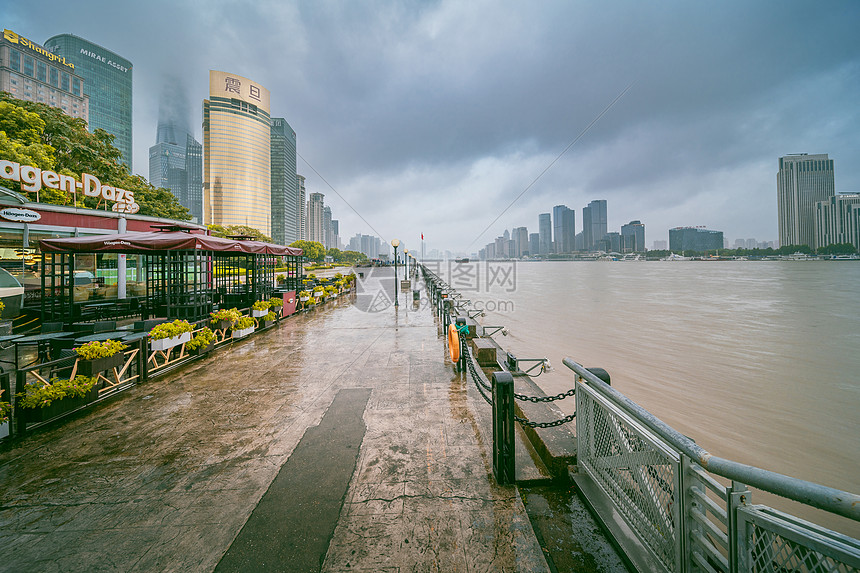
[(304, 293), (203, 337), (271, 317), (39, 396), (276, 302), (261, 305), (95, 349), (170, 329)]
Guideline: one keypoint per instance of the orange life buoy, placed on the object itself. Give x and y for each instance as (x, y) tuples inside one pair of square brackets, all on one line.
[(453, 343)]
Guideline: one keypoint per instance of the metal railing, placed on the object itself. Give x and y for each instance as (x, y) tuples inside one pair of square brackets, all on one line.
[(663, 486)]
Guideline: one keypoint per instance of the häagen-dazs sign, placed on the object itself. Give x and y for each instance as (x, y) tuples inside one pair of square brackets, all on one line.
[(33, 179), (22, 215)]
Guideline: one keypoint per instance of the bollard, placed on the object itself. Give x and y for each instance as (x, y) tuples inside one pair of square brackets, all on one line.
[(503, 428), (511, 361)]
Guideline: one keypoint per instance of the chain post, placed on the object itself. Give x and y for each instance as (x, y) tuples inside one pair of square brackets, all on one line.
[(461, 363), (19, 426), (503, 428)]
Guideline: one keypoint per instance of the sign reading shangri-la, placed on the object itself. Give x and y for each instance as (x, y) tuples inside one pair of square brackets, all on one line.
[(33, 179)]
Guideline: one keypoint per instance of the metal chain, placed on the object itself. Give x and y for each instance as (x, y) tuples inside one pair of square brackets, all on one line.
[(564, 420), (481, 386), (536, 399)]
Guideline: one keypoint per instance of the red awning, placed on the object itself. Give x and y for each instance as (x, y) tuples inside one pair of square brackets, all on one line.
[(159, 241)]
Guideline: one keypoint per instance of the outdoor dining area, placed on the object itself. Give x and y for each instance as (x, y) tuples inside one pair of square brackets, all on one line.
[(168, 273)]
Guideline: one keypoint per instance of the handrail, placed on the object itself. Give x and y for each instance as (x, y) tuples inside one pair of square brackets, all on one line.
[(829, 499)]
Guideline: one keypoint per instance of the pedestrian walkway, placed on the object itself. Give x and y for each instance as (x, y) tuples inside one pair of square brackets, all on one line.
[(341, 423)]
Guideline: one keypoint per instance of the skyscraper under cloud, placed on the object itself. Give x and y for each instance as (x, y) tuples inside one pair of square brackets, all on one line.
[(237, 161), (802, 181), (176, 159)]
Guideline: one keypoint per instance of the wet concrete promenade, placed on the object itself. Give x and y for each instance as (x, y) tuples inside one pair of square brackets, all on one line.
[(340, 441)]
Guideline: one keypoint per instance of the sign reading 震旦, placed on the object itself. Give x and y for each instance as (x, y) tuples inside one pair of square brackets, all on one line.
[(33, 179)]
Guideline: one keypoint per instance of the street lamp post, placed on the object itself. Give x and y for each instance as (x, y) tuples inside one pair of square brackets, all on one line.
[(406, 261), (395, 243)]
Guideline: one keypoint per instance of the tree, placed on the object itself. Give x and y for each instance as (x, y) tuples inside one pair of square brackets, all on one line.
[(63, 144), (313, 250), (233, 230), (837, 249)]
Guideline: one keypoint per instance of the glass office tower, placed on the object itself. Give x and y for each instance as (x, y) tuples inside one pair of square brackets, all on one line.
[(107, 83), (237, 153)]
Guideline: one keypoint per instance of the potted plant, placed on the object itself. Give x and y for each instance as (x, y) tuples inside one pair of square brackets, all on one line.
[(169, 334), (269, 319), (304, 295), (310, 303), (318, 291), (276, 305), (202, 342), (224, 318), (95, 356), (260, 308), (330, 291), (5, 410), (244, 327), (40, 402)]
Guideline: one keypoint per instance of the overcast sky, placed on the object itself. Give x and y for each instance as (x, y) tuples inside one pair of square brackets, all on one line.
[(432, 117)]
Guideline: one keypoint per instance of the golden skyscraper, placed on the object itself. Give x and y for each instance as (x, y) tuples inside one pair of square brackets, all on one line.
[(237, 153)]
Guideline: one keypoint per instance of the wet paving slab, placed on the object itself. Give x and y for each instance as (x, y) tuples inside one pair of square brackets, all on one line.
[(166, 475)]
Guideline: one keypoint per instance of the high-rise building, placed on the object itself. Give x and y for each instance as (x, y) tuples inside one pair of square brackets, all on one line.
[(176, 159), (31, 72), (520, 237), (285, 192), (315, 218), (545, 233), (564, 227), (327, 231), (695, 239), (637, 230), (534, 244), (179, 168), (802, 181), (237, 181), (335, 233), (834, 220), (107, 82), (302, 230), (594, 223)]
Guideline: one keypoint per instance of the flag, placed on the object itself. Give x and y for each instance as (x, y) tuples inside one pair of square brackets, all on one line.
[(422, 236)]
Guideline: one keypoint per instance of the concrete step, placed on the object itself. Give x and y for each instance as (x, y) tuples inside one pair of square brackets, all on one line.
[(530, 470)]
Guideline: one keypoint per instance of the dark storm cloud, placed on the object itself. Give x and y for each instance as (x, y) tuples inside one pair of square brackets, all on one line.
[(435, 115)]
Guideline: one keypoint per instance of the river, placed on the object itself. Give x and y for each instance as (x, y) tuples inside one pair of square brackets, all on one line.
[(759, 362)]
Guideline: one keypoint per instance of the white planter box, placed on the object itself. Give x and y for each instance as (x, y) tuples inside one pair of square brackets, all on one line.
[(304, 298), (317, 294), (4, 429), (165, 343), (243, 333), (259, 313)]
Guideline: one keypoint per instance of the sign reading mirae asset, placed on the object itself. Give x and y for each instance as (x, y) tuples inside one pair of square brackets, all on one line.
[(33, 179)]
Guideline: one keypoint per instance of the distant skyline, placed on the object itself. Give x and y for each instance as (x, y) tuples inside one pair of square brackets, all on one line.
[(432, 117)]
